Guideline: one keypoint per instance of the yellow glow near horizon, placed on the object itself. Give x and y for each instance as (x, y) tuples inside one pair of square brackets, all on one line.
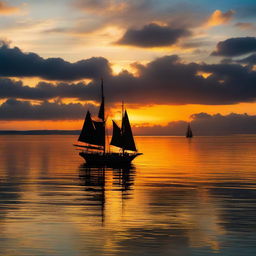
[(163, 114), (204, 74), (122, 66), (29, 81), (141, 116)]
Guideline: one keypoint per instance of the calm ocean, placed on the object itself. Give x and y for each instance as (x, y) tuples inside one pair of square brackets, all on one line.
[(182, 197)]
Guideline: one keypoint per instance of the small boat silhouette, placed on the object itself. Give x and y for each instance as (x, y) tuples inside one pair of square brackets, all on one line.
[(189, 133)]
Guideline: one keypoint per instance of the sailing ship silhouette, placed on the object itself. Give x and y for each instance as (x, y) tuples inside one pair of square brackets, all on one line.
[(189, 133), (93, 134)]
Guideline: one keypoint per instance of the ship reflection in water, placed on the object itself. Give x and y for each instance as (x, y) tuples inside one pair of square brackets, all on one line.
[(94, 179), (181, 198)]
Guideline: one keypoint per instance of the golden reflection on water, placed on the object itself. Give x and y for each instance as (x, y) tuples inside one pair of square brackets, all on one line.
[(182, 197)]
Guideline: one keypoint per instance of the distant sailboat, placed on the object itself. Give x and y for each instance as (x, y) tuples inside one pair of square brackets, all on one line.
[(94, 135), (189, 133)]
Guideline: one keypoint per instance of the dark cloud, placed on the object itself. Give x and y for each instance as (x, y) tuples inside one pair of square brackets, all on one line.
[(13, 109), (176, 128), (15, 63), (15, 89), (166, 80), (153, 35), (205, 124), (249, 60), (235, 46), (45, 91), (218, 124)]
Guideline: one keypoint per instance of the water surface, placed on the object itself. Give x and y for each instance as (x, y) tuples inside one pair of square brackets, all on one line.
[(182, 197)]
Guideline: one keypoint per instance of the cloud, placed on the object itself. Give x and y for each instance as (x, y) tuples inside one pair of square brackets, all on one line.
[(99, 6), (113, 12), (6, 9), (152, 35), (15, 63), (219, 18), (249, 60), (4, 42), (235, 46), (204, 124), (245, 25), (57, 30), (175, 128), (133, 13), (218, 124), (46, 91), (195, 43), (13, 109), (166, 80)]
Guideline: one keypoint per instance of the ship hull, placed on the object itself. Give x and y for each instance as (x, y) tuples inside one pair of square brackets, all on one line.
[(109, 159)]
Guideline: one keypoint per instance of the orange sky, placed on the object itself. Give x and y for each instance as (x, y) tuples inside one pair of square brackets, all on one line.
[(76, 30)]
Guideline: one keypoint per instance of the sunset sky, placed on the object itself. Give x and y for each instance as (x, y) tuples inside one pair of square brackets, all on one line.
[(170, 61)]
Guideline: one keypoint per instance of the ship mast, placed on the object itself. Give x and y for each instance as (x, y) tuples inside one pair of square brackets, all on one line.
[(122, 127), (102, 115)]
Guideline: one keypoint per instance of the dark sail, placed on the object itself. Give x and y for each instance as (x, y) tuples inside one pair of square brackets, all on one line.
[(123, 138), (127, 137), (189, 133), (88, 130), (99, 137), (92, 131), (116, 136)]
